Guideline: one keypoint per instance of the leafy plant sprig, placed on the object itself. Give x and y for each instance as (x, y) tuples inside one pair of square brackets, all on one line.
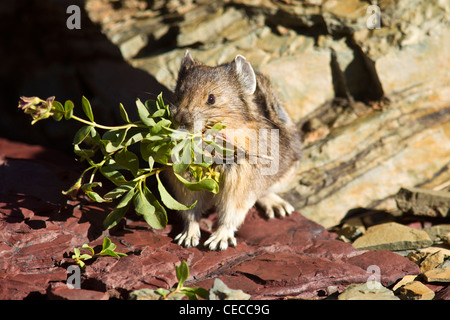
[(160, 146), (192, 293), (107, 250)]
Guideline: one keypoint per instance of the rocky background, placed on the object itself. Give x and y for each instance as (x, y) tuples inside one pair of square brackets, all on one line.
[(373, 106)]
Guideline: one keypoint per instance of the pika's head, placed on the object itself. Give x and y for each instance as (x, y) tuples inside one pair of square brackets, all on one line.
[(213, 94)]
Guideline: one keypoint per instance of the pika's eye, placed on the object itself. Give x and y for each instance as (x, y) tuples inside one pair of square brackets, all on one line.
[(211, 99)]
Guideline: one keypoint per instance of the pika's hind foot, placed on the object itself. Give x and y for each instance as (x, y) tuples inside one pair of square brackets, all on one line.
[(273, 204), (190, 237), (221, 238)]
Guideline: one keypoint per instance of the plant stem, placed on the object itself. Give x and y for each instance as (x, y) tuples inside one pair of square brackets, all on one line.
[(96, 125), (172, 292), (152, 172)]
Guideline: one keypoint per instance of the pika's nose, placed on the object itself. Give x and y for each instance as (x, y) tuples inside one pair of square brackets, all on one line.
[(182, 118)]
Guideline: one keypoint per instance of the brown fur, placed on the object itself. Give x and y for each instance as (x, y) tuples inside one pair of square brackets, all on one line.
[(242, 111)]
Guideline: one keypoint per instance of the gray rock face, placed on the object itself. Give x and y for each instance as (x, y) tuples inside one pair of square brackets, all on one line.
[(423, 202), (336, 77)]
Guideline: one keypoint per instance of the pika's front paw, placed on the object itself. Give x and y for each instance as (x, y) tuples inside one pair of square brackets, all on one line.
[(190, 237), (273, 204), (221, 238)]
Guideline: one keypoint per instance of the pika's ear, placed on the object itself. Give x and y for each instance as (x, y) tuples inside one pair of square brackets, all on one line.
[(245, 73), (187, 60)]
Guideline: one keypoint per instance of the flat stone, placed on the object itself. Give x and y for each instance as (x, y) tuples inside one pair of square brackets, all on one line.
[(405, 280), (390, 265), (392, 236), (443, 294), (446, 238), (441, 248), (436, 232), (365, 292), (144, 294), (416, 257), (438, 275), (423, 202), (415, 290), (431, 261), (220, 291), (65, 293), (352, 228)]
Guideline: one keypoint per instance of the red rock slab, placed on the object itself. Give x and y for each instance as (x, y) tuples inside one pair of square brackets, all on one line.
[(392, 266), (19, 285), (62, 292), (443, 294), (274, 258)]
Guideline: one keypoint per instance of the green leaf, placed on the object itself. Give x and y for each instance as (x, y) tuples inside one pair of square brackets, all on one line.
[(151, 105), (58, 106), (151, 163), (113, 140), (135, 135), (93, 137), (160, 214), (120, 190), (86, 246), (87, 108), (159, 126), (160, 102), (116, 136), (158, 113), (161, 152), (205, 184), (77, 252), (182, 272), (81, 134), (144, 114), (180, 164), (197, 172), (128, 160), (186, 155), (110, 147), (146, 205), (168, 200), (179, 146), (95, 197), (109, 252), (85, 257), (179, 167), (218, 126), (142, 203), (120, 210), (75, 186), (163, 292), (111, 171), (194, 292), (107, 243), (144, 149), (68, 109), (120, 254), (87, 188), (83, 153), (124, 114)]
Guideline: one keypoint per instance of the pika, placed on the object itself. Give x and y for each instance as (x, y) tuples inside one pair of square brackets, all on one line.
[(245, 102)]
